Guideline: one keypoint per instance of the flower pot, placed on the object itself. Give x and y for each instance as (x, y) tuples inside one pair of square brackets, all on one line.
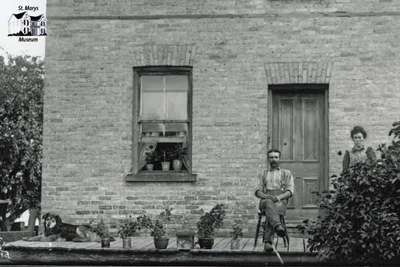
[(150, 167), (235, 244), (161, 243), (105, 242), (206, 243), (177, 164), (165, 165), (127, 242)]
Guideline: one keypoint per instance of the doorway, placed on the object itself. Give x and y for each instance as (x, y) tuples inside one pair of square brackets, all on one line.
[(298, 127)]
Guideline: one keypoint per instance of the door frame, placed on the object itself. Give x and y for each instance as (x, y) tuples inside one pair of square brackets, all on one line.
[(305, 88)]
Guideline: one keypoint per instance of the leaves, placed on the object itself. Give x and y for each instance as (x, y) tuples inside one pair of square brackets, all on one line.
[(210, 221), (362, 217), (21, 126), (128, 227), (156, 227)]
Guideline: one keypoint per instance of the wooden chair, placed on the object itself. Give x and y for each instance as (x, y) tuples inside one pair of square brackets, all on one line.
[(261, 223)]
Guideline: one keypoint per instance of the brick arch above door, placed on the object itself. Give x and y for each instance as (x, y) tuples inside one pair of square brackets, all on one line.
[(165, 55), (304, 72)]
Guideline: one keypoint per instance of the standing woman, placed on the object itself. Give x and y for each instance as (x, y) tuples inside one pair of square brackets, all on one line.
[(358, 153)]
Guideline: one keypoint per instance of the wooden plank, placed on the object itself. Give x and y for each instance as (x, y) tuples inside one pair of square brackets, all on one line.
[(247, 245), (312, 124), (286, 128), (217, 243), (221, 244), (226, 245), (91, 245), (140, 242), (147, 244)]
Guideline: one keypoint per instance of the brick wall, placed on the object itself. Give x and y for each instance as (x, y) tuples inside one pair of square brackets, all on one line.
[(93, 45)]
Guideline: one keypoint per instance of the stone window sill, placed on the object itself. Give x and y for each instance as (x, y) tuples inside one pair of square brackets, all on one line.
[(161, 176)]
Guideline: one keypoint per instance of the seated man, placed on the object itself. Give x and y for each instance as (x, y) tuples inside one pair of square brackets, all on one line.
[(276, 186)]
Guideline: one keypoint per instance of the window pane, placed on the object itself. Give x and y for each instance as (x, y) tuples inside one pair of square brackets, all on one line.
[(177, 83), (177, 87), (160, 105), (152, 106), (152, 83), (177, 106), (152, 97)]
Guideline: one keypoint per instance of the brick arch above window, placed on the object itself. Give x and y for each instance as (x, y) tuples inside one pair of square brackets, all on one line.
[(165, 54), (305, 72)]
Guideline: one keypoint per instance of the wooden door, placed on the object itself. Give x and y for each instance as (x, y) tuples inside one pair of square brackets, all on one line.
[(298, 131)]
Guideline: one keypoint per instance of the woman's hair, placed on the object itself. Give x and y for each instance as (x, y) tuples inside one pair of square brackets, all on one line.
[(358, 129)]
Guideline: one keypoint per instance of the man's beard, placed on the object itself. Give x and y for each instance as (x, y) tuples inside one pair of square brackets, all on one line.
[(274, 164)]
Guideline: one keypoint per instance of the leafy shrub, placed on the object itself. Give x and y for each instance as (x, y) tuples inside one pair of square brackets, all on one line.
[(156, 227), (128, 228), (237, 230), (361, 221), (210, 221), (101, 229)]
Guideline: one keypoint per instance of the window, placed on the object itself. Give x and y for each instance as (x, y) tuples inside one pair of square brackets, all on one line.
[(162, 124)]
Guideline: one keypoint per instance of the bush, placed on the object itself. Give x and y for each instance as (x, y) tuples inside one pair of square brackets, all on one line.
[(362, 214), (21, 121), (210, 221)]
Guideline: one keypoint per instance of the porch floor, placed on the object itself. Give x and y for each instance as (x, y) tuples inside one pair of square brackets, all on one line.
[(146, 243)]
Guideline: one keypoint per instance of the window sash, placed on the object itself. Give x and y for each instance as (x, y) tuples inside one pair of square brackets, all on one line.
[(169, 92)]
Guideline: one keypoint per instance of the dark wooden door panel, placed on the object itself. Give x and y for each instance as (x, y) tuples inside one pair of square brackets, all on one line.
[(297, 131)]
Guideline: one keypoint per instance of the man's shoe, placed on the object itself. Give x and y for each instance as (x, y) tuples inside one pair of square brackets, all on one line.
[(268, 247), (280, 231)]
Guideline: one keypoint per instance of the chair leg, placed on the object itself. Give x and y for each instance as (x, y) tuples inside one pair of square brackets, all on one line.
[(257, 231), (286, 237), (287, 240)]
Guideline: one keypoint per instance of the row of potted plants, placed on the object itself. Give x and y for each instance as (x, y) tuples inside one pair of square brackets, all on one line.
[(175, 155), (206, 227)]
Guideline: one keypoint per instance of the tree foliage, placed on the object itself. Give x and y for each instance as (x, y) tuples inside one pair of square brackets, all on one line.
[(362, 213), (21, 124)]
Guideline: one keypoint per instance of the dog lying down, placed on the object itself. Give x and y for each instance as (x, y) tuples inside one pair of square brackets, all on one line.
[(56, 230)]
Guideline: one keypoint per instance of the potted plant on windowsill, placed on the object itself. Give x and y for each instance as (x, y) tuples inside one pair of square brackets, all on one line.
[(236, 234), (128, 229), (165, 164), (208, 223), (180, 153), (157, 227), (151, 159)]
